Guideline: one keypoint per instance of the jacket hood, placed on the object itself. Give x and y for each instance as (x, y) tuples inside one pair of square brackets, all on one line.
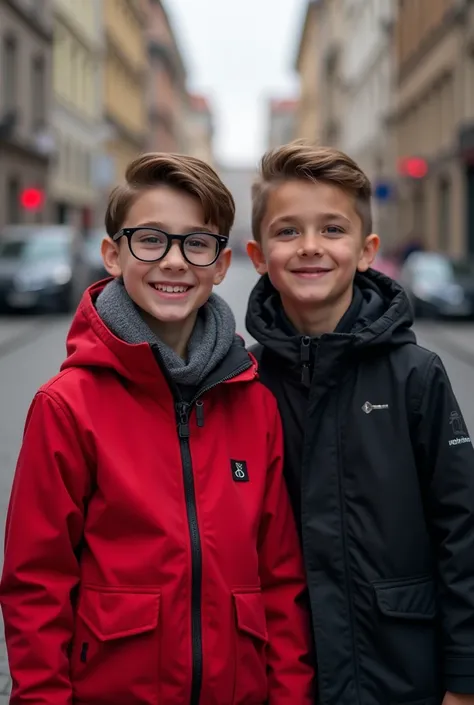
[(385, 317), (90, 343)]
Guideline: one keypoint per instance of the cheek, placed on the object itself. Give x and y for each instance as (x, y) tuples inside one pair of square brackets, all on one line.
[(133, 271), (205, 277), (279, 256), (345, 255)]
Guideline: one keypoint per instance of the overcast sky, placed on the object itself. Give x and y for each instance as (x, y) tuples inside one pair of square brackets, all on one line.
[(239, 52)]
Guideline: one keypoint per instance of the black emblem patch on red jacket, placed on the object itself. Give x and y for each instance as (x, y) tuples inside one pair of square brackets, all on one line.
[(239, 470)]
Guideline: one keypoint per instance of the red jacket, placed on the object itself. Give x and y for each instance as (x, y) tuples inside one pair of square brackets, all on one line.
[(188, 584)]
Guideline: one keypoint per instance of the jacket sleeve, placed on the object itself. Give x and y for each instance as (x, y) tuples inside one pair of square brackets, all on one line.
[(44, 527), (446, 464), (289, 653)]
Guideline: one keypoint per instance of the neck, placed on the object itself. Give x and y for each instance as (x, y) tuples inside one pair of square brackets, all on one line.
[(175, 335), (316, 320)]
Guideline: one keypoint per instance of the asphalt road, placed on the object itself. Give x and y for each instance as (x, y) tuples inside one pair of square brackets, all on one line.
[(31, 351)]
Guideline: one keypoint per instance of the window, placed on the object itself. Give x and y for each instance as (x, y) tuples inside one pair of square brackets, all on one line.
[(10, 73), (38, 89), (13, 201)]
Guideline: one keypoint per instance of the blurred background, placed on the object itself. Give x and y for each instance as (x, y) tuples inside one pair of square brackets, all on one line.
[(87, 85)]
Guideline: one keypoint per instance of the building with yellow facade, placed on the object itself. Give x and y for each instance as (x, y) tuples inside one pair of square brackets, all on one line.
[(308, 119), (125, 81), (77, 109)]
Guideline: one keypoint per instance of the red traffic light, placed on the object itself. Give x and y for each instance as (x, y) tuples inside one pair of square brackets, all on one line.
[(32, 198), (414, 167)]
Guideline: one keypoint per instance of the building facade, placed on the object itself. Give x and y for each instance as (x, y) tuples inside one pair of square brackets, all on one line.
[(330, 62), (284, 122), (26, 143), (239, 180), (433, 123), (368, 80), (200, 131), (125, 83), (168, 106), (308, 66), (77, 109)]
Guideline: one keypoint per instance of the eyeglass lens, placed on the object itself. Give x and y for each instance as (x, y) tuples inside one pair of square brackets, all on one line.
[(149, 245)]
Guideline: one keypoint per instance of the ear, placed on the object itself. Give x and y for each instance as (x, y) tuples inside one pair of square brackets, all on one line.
[(369, 250), (255, 252), (222, 265), (110, 255)]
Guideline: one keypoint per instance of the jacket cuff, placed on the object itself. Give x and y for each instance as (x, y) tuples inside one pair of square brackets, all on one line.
[(459, 675)]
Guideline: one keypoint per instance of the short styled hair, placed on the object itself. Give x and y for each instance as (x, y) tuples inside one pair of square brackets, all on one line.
[(180, 171), (304, 161)]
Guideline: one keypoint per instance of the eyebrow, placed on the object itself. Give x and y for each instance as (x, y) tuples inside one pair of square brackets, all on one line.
[(323, 216), (187, 229)]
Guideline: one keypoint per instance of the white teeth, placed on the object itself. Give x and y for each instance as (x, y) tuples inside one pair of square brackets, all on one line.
[(171, 289)]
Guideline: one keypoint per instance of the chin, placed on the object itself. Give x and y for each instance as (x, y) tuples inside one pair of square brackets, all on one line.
[(170, 316)]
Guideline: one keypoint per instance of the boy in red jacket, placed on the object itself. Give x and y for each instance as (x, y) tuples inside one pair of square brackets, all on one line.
[(151, 555)]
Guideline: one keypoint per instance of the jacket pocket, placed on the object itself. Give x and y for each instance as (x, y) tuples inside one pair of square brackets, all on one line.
[(250, 681), (116, 655), (406, 647)]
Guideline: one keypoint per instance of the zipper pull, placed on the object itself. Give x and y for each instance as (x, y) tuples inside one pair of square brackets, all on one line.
[(200, 413), (182, 410), (305, 356)]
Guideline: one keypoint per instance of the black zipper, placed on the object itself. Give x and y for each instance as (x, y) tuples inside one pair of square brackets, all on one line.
[(347, 575), (183, 411), (305, 356)]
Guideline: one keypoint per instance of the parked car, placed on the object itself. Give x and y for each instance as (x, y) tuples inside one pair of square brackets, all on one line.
[(41, 267), (95, 264), (439, 286)]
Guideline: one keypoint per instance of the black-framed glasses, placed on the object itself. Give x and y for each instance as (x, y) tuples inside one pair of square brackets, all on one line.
[(152, 244)]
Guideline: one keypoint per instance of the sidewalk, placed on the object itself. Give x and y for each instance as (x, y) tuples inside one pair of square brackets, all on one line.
[(456, 338), (5, 683), (16, 329)]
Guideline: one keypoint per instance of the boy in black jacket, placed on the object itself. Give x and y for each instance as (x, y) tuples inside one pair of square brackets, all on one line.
[(379, 462)]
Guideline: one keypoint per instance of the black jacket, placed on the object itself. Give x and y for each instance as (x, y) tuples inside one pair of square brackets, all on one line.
[(380, 468)]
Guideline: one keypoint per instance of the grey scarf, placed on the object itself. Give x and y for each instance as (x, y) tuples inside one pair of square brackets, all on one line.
[(210, 341)]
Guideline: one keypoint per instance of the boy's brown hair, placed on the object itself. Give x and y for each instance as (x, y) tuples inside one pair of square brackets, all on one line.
[(308, 162), (179, 171)]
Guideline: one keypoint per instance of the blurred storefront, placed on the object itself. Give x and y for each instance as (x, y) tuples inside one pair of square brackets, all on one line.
[(397, 78), (26, 141), (77, 109), (433, 123)]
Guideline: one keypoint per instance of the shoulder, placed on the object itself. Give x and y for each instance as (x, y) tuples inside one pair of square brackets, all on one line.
[(76, 388), (412, 359), (420, 369)]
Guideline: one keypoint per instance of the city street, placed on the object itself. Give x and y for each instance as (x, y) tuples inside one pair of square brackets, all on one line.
[(31, 350)]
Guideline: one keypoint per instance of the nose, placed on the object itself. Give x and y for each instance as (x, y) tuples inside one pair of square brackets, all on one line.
[(174, 259), (311, 245)]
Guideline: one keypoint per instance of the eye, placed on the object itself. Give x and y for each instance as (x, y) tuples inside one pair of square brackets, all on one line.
[(333, 230), (288, 232), (198, 242)]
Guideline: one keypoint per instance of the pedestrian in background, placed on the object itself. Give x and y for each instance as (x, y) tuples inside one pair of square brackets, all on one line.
[(378, 459), (151, 553)]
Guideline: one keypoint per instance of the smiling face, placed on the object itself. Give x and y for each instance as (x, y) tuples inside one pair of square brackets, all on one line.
[(311, 247), (168, 292)]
